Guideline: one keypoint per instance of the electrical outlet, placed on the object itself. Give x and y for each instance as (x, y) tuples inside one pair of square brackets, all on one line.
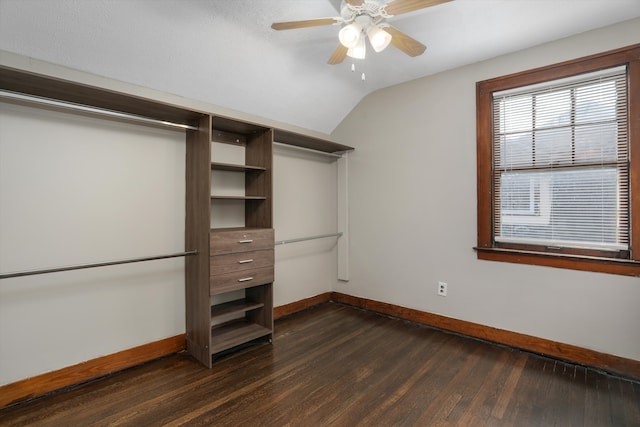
[(442, 289)]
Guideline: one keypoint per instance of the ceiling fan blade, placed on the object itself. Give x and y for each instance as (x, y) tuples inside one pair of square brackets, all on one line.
[(408, 45), (290, 25), (397, 7), (354, 2), (338, 55)]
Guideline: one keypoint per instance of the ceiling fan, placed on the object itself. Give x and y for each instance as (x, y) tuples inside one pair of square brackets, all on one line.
[(361, 19)]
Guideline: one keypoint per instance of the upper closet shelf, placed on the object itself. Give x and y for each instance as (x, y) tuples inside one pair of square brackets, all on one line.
[(309, 142), (47, 87), (233, 131)]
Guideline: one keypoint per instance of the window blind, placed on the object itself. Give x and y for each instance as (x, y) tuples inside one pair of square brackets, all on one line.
[(560, 163)]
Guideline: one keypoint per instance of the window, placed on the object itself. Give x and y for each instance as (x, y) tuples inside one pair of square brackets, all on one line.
[(559, 165)]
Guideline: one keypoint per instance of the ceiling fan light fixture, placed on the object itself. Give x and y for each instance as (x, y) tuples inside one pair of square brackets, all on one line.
[(349, 35), (378, 38), (359, 51)]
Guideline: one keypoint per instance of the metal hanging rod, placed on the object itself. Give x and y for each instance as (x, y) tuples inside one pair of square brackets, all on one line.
[(282, 144), (87, 109), (99, 264), (302, 239)]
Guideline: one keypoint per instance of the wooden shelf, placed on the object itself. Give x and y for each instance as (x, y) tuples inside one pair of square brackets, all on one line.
[(239, 197), (232, 334), (225, 229), (310, 142), (240, 127), (68, 91), (234, 307), (235, 168)]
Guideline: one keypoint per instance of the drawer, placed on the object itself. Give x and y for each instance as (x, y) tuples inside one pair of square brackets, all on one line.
[(221, 283), (243, 240), (223, 264)]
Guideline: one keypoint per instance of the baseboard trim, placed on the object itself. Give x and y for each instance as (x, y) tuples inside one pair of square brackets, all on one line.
[(40, 385), (296, 306), (627, 368)]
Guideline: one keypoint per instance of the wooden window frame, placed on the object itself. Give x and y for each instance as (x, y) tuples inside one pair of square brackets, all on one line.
[(487, 249)]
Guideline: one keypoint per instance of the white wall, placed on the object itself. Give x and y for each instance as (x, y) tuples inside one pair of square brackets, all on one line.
[(305, 205), (412, 189), (77, 190)]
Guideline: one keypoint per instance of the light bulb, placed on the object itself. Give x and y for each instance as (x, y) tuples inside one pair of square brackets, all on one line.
[(358, 51), (378, 38), (349, 35)]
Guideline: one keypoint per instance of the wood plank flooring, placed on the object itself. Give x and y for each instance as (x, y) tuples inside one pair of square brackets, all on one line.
[(335, 365)]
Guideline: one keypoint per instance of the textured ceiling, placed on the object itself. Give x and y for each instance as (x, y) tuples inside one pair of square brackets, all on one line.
[(225, 53)]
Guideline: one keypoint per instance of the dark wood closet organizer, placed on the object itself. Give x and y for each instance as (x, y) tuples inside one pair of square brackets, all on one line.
[(236, 262)]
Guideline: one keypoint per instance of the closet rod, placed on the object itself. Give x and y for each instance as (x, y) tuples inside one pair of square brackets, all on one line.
[(282, 144), (87, 109), (302, 239), (99, 264)]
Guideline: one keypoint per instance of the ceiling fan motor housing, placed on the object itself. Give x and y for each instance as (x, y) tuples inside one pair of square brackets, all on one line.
[(372, 9)]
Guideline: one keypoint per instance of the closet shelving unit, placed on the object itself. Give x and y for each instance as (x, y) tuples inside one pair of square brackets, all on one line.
[(223, 308), (242, 257)]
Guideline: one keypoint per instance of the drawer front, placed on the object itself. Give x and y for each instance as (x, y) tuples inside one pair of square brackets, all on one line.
[(223, 264), (225, 242), (221, 283)]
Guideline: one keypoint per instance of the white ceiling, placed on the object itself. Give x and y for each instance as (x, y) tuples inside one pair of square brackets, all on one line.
[(225, 53)]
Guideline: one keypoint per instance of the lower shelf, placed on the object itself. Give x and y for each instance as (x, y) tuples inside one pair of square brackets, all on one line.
[(233, 307), (235, 333)]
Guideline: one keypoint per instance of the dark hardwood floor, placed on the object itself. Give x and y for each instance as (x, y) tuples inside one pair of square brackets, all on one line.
[(340, 366)]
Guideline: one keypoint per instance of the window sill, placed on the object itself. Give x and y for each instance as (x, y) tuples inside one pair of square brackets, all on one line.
[(573, 262)]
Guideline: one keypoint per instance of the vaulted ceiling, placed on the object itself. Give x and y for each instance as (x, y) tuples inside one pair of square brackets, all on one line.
[(225, 53)]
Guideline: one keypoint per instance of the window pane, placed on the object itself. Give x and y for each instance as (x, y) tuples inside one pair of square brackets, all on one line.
[(553, 147), (553, 109), (520, 194), (516, 150), (596, 102), (596, 143), (520, 114), (573, 208)]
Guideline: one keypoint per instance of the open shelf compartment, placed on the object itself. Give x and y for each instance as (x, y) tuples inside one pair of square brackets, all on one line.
[(234, 307), (235, 333)]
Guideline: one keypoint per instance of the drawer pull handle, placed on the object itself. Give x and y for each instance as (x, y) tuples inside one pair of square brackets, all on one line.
[(246, 241), (245, 261), (245, 279)]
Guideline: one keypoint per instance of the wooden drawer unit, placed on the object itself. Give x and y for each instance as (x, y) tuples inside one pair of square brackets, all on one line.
[(221, 283), (240, 240), (240, 261)]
